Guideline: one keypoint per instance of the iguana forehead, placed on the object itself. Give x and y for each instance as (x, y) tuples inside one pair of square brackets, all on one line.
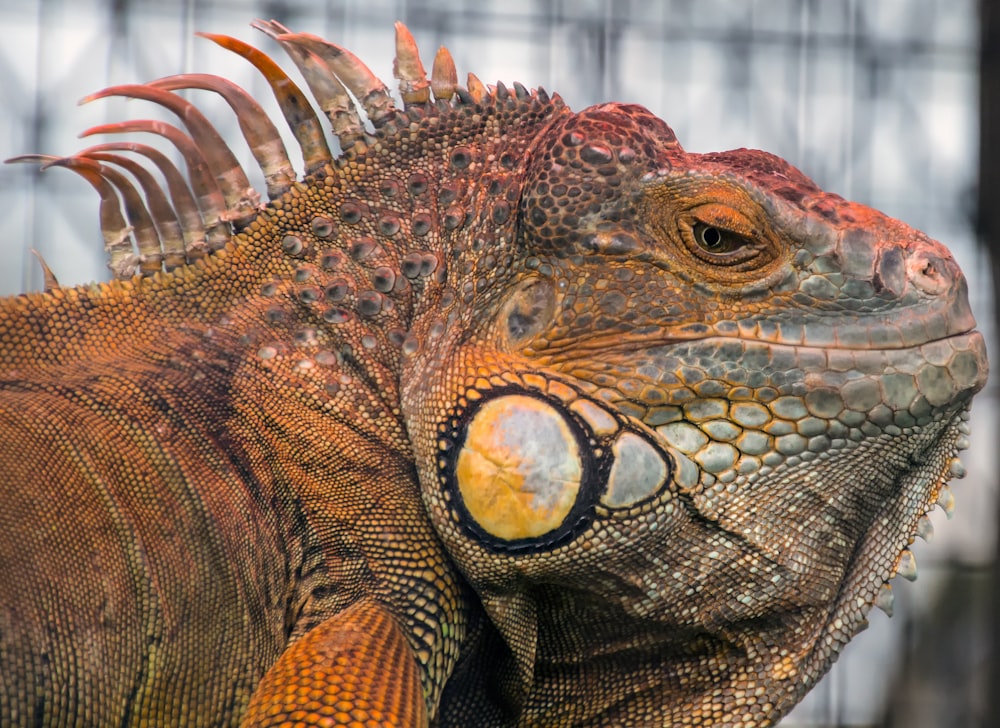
[(761, 169), (773, 179), (590, 169)]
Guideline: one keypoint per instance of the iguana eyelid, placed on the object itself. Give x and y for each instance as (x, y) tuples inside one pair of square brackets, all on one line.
[(723, 217)]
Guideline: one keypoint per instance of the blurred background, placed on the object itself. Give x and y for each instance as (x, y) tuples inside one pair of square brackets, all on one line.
[(891, 103)]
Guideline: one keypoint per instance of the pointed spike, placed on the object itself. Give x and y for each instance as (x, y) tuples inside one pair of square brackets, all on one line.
[(122, 260), (925, 529), (907, 566), (520, 91), (241, 199), (502, 94), (44, 161), (294, 104), (542, 95), (114, 229), (270, 28), (370, 92), (408, 69), (208, 195), (885, 599), (477, 89), (329, 92), (147, 240), (463, 96), (444, 77), (259, 131), (49, 278), (164, 219), (946, 500), (184, 204)]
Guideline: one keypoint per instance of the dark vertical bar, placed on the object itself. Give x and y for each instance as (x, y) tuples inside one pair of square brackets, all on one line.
[(988, 229)]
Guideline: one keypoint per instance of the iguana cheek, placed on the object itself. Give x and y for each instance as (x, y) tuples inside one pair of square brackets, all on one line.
[(519, 472)]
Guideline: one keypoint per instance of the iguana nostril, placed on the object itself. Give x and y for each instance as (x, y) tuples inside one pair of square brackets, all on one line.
[(928, 272)]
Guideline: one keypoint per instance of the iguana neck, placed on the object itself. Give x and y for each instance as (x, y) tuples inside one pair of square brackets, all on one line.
[(121, 318), (625, 666), (440, 225)]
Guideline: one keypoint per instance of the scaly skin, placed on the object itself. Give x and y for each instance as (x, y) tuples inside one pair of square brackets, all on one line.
[(508, 416)]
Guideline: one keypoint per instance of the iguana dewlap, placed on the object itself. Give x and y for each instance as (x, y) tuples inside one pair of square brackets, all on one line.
[(505, 415)]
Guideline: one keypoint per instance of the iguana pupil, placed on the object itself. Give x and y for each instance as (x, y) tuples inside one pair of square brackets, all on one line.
[(717, 241), (709, 237)]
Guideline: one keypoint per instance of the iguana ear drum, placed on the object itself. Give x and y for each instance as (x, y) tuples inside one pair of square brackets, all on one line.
[(527, 473)]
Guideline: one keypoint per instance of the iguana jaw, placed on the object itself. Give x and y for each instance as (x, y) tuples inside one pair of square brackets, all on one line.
[(732, 667), (879, 555), (799, 594), (882, 553), (808, 642)]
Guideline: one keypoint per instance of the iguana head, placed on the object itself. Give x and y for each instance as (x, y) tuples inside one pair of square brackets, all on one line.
[(680, 448)]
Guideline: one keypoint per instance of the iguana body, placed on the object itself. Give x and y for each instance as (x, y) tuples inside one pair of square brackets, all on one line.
[(509, 415)]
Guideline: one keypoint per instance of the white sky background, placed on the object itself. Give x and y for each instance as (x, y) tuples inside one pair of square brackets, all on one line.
[(888, 118)]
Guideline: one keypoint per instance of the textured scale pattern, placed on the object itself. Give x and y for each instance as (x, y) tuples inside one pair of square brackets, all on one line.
[(333, 674), (506, 415)]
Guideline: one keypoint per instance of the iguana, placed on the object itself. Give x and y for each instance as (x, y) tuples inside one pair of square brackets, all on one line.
[(502, 415)]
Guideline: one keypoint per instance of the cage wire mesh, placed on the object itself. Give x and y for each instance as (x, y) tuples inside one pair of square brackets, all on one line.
[(876, 101)]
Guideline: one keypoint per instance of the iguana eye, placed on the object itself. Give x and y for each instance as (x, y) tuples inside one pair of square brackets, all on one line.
[(721, 247), (716, 240), (717, 230)]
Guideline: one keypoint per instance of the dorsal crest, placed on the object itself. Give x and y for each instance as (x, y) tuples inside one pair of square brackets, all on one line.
[(149, 226)]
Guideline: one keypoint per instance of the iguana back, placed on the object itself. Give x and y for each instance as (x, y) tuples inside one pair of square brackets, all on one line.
[(505, 415)]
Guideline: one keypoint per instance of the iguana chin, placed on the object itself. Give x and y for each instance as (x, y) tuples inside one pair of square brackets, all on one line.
[(507, 415)]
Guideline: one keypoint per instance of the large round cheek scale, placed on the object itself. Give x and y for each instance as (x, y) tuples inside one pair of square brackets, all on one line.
[(519, 472)]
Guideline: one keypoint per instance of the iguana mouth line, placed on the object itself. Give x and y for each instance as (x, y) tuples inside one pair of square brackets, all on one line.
[(624, 344)]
